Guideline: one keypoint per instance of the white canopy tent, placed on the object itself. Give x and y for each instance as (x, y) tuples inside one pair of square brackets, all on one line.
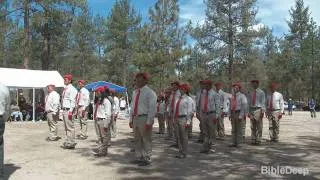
[(33, 79)]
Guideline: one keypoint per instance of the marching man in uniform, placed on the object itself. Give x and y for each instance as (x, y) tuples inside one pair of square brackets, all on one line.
[(68, 106), (210, 109), (275, 109), (183, 113), (52, 105), (239, 107), (256, 112), (198, 110), (220, 122), (175, 94), (83, 101), (142, 118), (115, 113)]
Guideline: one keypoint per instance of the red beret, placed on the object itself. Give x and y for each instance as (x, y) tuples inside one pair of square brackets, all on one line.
[(112, 90), (274, 85), (254, 81), (100, 89), (219, 84), (82, 81), (185, 87), (176, 83), (144, 75), (237, 84), (68, 76), (208, 81)]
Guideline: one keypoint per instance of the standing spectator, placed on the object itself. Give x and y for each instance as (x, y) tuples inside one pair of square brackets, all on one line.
[(4, 115), (82, 103), (290, 107), (115, 113), (123, 104), (52, 105), (312, 107)]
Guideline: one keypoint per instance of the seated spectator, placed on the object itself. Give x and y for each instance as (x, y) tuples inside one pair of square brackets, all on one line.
[(39, 112), (15, 112)]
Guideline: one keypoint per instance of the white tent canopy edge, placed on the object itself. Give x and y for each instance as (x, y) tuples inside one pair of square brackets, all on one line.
[(33, 79)]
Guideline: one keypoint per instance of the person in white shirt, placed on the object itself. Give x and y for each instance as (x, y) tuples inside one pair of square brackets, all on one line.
[(160, 113), (220, 121), (238, 114), (123, 104), (183, 113), (102, 116), (256, 111), (210, 109), (68, 109), (4, 115), (193, 102), (275, 109), (82, 107), (166, 115), (52, 106), (198, 111), (143, 109), (115, 113)]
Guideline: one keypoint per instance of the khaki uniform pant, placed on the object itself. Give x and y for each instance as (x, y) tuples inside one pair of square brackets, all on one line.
[(200, 127), (274, 125), (209, 130), (236, 131), (97, 130), (170, 125), (182, 135), (52, 119), (69, 128), (83, 120), (190, 128), (113, 126), (220, 126), (2, 128), (143, 141), (243, 128), (104, 134), (256, 125), (161, 122)]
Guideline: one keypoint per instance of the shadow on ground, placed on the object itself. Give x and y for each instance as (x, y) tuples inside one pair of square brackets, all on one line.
[(9, 169)]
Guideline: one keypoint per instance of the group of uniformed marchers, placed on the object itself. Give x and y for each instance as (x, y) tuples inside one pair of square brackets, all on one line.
[(174, 109)]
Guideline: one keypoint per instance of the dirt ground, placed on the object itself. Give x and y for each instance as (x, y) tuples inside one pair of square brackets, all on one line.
[(29, 156)]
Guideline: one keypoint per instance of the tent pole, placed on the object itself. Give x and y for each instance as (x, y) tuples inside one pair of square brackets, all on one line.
[(33, 104)]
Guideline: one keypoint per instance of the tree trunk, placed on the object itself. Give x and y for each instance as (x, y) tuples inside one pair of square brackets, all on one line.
[(26, 52), (230, 45), (46, 47)]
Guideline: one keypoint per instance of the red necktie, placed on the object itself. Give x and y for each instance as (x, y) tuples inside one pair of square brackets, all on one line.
[(95, 111), (234, 103), (271, 101), (136, 103), (173, 100), (254, 98), (178, 107), (78, 97), (206, 101)]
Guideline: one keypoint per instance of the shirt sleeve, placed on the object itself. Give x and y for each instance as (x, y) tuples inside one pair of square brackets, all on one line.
[(281, 104), (152, 100), (73, 95), (244, 107), (190, 108), (263, 101)]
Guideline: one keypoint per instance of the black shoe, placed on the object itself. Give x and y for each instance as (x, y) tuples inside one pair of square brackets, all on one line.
[(275, 140), (144, 163), (53, 139), (232, 145), (136, 161), (132, 150), (167, 138), (68, 147)]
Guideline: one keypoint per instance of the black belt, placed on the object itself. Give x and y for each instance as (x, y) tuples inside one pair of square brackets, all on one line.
[(210, 112), (182, 116), (236, 111), (255, 107), (99, 119), (66, 109), (274, 109)]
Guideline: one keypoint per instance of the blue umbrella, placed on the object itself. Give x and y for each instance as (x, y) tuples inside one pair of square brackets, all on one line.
[(93, 86)]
